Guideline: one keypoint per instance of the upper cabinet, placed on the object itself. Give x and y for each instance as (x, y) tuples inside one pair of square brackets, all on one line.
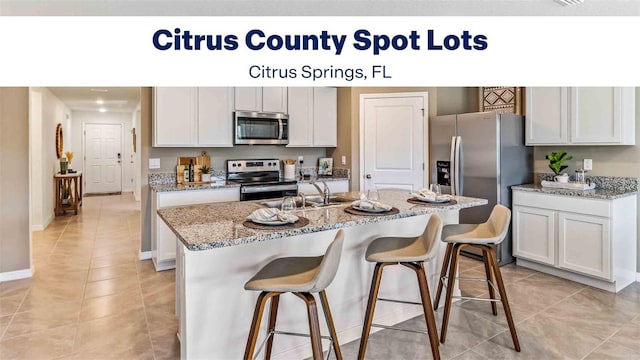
[(313, 117), (262, 99), (192, 117), (580, 116)]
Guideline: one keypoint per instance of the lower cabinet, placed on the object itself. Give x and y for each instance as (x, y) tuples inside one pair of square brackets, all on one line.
[(592, 241), (163, 240)]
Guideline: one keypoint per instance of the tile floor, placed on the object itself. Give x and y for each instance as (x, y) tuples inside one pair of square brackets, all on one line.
[(91, 298)]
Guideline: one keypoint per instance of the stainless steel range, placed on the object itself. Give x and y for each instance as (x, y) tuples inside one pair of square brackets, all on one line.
[(259, 179)]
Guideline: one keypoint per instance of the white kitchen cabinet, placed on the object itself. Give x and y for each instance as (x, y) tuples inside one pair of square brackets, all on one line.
[(215, 116), (534, 234), (193, 117), (335, 186), (580, 116), (261, 99), (163, 240), (175, 116), (547, 115), (587, 240), (313, 119)]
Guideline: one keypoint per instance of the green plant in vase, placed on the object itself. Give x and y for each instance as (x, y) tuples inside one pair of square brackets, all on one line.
[(557, 160), (206, 173)]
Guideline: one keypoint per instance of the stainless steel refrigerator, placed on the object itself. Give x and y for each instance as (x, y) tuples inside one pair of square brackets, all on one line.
[(480, 155)]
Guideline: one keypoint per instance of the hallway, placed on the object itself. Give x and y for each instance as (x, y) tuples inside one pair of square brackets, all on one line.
[(90, 296)]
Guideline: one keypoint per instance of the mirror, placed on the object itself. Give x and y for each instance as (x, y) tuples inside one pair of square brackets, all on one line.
[(59, 141)]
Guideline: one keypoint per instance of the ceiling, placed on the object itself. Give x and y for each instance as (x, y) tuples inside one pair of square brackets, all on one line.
[(114, 99), (319, 7)]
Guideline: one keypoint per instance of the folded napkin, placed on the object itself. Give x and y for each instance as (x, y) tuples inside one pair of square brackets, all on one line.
[(272, 215), (428, 195), (367, 204)]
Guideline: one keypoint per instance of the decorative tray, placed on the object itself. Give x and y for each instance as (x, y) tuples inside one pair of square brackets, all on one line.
[(568, 186)]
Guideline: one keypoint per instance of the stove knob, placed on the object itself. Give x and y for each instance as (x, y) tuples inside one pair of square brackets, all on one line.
[(234, 165), (239, 165)]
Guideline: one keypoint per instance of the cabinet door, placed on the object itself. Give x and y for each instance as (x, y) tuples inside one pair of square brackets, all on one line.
[(584, 244), (325, 117), (175, 116), (599, 115), (300, 116), (215, 116), (547, 116), (534, 234), (274, 99), (248, 98), (166, 242)]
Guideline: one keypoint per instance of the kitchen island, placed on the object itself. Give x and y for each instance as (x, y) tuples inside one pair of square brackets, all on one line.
[(216, 255)]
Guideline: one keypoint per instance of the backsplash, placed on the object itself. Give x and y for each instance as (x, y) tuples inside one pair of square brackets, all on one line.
[(602, 182), (169, 178)]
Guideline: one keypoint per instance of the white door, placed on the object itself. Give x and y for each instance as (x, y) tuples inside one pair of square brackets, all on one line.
[(392, 138), (103, 164)]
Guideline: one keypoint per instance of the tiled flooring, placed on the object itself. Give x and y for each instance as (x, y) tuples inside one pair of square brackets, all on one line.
[(92, 299)]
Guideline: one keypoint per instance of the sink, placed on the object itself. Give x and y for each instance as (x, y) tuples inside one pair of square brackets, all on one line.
[(312, 201)]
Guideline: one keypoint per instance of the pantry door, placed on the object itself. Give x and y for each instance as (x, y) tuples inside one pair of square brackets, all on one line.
[(103, 158), (393, 140)]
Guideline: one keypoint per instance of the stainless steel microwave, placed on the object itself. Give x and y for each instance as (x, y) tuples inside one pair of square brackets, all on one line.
[(258, 128)]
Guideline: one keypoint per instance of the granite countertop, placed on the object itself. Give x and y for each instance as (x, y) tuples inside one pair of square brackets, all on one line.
[(209, 226), (604, 194), (181, 187)]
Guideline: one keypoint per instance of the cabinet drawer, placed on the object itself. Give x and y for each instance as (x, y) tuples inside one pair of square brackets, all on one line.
[(595, 207), (193, 197)]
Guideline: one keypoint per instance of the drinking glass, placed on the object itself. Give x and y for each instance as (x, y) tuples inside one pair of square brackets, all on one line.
[(288, 204), (373, 195), (435, 188)]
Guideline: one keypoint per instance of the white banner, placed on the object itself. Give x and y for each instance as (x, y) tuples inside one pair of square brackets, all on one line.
[(319, 51)]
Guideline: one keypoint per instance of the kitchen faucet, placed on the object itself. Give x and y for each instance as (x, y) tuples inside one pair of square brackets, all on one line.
[(326, 194)]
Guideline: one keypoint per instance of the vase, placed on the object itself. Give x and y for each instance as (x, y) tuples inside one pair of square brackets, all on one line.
[(206, 177)]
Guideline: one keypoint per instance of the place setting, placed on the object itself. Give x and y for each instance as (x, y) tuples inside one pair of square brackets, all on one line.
[(276, 219), (431, 197), (370, 205)]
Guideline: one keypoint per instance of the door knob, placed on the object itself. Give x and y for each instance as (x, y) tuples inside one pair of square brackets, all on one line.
[(368, 176)]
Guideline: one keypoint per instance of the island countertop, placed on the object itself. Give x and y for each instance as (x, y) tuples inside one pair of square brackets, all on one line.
[(209, 226)]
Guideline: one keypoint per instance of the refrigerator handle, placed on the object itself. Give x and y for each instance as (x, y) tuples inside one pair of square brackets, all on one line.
[(458, 166), (452, 166)]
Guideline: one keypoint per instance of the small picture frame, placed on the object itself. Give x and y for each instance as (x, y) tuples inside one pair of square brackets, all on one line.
[(325, 166)]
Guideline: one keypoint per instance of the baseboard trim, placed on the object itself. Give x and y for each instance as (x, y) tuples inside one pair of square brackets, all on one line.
[(145, 255), (16, 275), (43, 226)]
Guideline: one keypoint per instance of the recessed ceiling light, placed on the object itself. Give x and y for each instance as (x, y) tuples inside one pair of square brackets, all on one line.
[(99, 90), (99, 101), (569, 2), (102, 110)]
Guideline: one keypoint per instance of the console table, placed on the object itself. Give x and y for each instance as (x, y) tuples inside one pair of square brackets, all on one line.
[(67, 189)]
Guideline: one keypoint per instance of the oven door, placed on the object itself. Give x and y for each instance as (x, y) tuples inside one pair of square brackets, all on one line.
[(260, 128), (261, 192)]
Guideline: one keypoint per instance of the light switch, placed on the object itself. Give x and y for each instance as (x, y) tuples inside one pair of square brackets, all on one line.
[(587, 164), (154, 163), (344, 160)]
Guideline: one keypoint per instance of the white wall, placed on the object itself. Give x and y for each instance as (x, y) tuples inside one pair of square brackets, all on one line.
[(80, 118), (47, 111)]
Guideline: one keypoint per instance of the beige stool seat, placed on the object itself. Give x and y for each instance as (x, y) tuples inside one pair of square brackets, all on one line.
[(482, 237), (410, 252), (301, 276)]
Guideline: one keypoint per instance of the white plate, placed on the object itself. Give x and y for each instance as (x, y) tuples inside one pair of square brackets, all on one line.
[(276, 222), (435, 201), (370, 210)]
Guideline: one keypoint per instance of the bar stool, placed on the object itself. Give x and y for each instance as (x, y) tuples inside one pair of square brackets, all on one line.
[(482, 236), (301, 276), (410, 252)]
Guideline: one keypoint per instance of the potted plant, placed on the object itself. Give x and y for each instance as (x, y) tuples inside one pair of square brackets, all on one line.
[(206, 173), (557, 160)]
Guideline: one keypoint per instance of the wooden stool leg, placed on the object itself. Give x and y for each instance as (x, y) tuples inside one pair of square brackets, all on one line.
[(453, 269), (487, 270), (314, 324), (371, 305), (330, 325), (429, 317), (503, 296), (443, 273), (273, 314), (255, 324)]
